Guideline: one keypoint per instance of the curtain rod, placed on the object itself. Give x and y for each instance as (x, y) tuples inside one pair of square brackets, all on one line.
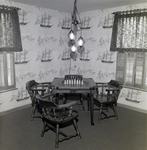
[(131, 11), (9, 7)]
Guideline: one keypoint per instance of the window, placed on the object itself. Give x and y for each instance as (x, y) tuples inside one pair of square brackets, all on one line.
[(131, 69), (129, 38), (7, 72), (10, 42)]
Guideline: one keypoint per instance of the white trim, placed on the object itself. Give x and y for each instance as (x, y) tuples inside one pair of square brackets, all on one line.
[(132, 108)]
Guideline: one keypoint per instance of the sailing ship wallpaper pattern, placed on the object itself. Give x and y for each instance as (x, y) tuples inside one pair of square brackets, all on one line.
[(46, 53)]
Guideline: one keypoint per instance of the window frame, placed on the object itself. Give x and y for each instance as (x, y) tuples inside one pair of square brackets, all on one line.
[(122, 80)]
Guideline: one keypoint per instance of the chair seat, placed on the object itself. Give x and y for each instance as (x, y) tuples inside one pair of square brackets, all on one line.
[(105, 100), (60, 118)]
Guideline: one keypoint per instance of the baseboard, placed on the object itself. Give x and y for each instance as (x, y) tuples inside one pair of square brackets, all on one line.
[(133, 108), (14, 109), (28, 105)]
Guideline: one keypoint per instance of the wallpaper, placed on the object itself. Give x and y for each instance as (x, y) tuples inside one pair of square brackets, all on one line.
[(45, 47)]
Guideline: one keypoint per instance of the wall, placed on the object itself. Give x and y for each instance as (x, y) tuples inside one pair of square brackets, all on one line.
[(36, 39), (98, 40)]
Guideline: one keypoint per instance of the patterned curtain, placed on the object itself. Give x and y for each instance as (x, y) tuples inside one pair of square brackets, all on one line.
[(10, 38), (129, 32)]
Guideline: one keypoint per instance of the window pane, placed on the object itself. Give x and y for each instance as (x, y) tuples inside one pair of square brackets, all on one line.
[(120, 67), (139, 68), (145, 75), (10, 69), (129, 68), (7, 71), (2, 80)]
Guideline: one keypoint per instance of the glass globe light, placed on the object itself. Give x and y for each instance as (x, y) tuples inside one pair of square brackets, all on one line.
[(73, 48), (80, 41), (71, 35)]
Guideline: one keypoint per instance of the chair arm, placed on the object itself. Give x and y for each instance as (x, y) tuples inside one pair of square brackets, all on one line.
[(47, 95), (33, 89), (101, 84), (100, 87), (43, 84), (38, 90), (67, 105), (112, 89), (46, 85)]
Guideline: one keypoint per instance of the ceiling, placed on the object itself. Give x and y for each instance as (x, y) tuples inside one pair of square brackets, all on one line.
[(82, 5)]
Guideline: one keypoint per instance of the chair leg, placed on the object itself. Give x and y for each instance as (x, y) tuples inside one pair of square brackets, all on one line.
[(43, 130), (33, 113), (81, 101), (35, 108), (57, 136), (64, 99), (76, 128), (115, 111), (100, 113)]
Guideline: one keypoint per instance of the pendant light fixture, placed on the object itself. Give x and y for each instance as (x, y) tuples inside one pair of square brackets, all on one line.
[(75, 43)]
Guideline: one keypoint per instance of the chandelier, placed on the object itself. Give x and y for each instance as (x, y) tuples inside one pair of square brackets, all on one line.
[(76, 41)]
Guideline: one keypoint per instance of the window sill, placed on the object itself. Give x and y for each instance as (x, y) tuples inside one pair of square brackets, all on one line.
[(3, 91), (134, 88)]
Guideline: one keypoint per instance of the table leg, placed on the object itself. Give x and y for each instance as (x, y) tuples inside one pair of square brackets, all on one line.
[(81, 101), (88, 101), (91, 109)]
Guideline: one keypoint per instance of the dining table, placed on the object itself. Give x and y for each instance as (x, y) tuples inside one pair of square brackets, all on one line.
[(85, 87)]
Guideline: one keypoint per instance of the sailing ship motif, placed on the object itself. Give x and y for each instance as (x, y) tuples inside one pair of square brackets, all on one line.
[(45, 21), (46, 56), (108, 23), (21, 57), (22, 17), (132, 96), (22, 94), (107, 57), (66, 55), (85, 23), (66, 24), (85, 56)]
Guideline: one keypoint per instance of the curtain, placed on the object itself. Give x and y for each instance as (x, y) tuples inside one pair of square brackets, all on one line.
[(129, 31), (10, 38)]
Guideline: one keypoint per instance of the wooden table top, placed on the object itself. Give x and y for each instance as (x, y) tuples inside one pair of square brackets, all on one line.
[(87, 84)]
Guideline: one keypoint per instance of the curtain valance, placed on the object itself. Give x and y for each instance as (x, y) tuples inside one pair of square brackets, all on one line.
[(130, 31), (10, 37)]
